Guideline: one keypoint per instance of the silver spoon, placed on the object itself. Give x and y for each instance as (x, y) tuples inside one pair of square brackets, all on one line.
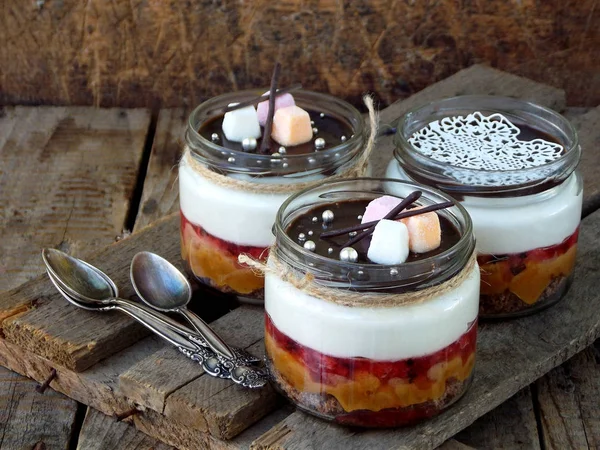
[(88, 287), (162, 286)]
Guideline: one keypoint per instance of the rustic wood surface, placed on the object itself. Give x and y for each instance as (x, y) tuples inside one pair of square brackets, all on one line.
[(101, 383), (124, 53), (66, 179), (28, 418), (102, 432)]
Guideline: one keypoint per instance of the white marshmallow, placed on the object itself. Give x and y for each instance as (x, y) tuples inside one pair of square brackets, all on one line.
[(240, 124), (389, 243)]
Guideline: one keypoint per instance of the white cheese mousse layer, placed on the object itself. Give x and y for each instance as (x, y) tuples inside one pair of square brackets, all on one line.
[(505, 225), (383, 334), (244, 218)]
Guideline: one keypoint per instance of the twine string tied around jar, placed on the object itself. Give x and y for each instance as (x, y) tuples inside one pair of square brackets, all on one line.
[(358, 169), (348, 297)]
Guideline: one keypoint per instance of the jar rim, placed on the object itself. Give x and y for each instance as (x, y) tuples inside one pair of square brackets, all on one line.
[(214, 106), (464, 247), (407, 155)]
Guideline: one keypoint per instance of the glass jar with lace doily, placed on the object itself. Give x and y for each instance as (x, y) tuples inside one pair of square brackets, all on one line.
[(512, 164)]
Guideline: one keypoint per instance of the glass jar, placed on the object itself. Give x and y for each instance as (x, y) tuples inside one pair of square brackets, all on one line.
[(525, 220), (370, 363), (229, 199)]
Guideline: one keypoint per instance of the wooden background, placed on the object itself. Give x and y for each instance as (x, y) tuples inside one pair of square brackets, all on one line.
[(175, 53)]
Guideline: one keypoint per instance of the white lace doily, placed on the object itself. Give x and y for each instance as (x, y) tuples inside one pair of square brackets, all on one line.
[(486, 143)]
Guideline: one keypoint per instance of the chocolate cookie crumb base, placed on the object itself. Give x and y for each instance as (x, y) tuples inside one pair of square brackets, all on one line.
[(327, 407), (507, 304)]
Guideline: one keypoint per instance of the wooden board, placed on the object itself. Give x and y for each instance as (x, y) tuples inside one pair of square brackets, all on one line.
[(28, 418), (568, 403), (101, 432), (171, 53), (510, 355), (72, 190)]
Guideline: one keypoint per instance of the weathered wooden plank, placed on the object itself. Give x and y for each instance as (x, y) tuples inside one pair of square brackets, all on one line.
[(588, 126), (510, 356), (161, 192), (568, 402), (78, 339), (476, 79), (453, 444), (511, 425), (28, 418), (66, 177), (101, 432)]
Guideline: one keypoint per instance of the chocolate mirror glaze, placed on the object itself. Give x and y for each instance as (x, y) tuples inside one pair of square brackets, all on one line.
[(330, 128), (526, 133), (346, 214)]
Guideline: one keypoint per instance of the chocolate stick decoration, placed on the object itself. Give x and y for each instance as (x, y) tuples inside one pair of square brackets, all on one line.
[(409, 200), (261, 98), (402, 215), (269, 123)]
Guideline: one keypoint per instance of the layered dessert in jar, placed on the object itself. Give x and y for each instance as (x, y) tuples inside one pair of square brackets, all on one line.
[(512, 165), (241, 162), (371, 299)]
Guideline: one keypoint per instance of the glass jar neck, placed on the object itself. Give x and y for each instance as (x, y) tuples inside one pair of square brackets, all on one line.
[(228, 161), (404, 277), (459, 181)]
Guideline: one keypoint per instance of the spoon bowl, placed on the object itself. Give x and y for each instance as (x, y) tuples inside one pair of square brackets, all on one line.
[(83, 281)]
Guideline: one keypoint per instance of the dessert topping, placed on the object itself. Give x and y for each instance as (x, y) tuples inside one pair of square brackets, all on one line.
[(291, 126), (281, 101), (389, 243), (241, 124), (424, 231)]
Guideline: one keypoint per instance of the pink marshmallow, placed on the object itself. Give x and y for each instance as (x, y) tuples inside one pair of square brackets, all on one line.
[(281, 101), (378, 208)]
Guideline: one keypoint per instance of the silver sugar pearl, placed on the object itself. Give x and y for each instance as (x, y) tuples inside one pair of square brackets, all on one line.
[(231, 159), (285, 165), (276, 155), (214, 137), (352, 233), (249, 144), (301, 237), (310, 232), (344, 138), (312, 160), (315, 130), (359, 217), (393, 272), (315, 219), (319, 143), (327, 216), (322, 115), (312, 122), (282, 150), (348, 254), (310, 246), (330, 250)]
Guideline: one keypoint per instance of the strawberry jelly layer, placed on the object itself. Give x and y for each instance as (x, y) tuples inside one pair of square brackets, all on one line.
[(214, 261), (371, 392), (527, 275)]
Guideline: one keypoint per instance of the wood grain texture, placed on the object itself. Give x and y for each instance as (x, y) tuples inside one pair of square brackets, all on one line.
[(28, 418), (476, 80), (510, 355), (511, 425), (77, 339), (101, 432), (125, 53), (160, 195), (66, 177), (568, 402)]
